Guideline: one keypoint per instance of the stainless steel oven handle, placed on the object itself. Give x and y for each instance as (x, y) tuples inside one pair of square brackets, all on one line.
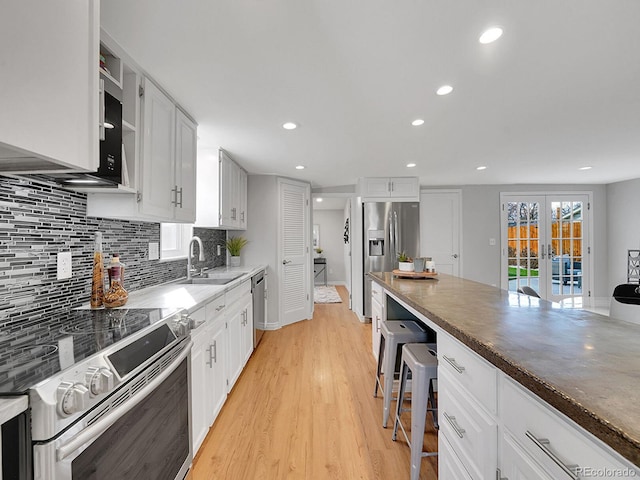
[(98, 428)]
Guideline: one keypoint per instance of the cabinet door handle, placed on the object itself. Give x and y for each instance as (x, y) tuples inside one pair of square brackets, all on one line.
[(219, 307), (454, 424), (233, 213), (101, 113), (178, 192), (545, 445), (215, 351), (242, 216), (454, 364), (209, 362), (377, 323), (284, 262), (174, 193)]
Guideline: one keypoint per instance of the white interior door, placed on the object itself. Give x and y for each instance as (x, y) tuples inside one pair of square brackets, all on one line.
[(440, 229), (294, 251)]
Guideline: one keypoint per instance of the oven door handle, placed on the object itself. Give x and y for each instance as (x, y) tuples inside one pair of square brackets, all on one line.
[(100, 427)]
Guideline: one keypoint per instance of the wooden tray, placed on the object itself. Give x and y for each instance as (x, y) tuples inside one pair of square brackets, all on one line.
[(403, 274)]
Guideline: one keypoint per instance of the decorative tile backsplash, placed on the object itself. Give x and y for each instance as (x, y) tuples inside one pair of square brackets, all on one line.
[(38, 219)]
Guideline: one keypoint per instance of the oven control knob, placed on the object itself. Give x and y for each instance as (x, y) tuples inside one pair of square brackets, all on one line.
[(72, 398), (99, 380)]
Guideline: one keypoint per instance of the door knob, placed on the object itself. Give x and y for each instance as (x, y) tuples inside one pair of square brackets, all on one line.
[(455, 255)]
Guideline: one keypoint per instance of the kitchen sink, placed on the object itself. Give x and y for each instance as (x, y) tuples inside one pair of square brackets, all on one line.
[(213, 278)]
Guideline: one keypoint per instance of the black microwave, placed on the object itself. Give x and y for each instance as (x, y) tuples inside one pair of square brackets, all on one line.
[(109, 173)]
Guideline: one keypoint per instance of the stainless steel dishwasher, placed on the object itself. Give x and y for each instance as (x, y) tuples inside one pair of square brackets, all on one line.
[(258, 296)]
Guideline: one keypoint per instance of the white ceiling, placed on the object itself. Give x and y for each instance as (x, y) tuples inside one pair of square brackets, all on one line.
[(560, 90)]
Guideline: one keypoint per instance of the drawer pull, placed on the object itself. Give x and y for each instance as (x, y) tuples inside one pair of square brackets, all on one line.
[(544, 445), (452, 421), (219, 307), (454, 364)]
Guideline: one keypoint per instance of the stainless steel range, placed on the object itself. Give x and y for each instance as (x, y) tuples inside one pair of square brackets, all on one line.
[(109, 395)]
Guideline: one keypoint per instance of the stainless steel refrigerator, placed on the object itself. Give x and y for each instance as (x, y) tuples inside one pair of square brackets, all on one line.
[(389, 228)]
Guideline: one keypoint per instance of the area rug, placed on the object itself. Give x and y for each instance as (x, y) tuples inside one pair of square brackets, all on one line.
[(322, 294)]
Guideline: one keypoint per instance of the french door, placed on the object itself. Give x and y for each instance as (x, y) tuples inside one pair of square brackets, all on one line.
[(545, 244)]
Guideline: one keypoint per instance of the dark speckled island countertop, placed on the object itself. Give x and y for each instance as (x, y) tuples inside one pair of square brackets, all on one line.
[(585, 365)]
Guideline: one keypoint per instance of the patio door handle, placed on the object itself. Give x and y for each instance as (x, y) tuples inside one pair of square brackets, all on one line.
[(542, 251)]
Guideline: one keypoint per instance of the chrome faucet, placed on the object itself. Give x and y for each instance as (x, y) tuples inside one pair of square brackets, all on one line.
[(190, 254)]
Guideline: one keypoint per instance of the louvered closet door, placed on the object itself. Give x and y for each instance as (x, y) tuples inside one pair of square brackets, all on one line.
[(293, 241)]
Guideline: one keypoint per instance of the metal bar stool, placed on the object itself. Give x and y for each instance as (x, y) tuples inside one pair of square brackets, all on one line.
[(394, 334), (421, 361)]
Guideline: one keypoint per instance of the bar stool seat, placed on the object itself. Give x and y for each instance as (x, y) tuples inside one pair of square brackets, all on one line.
[(394, 334), (419, 359)]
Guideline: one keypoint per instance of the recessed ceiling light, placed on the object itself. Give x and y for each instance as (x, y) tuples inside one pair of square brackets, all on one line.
[(300, 167), (444, 90), (417, 122), (585, 168), (318, 199), (481, 167), (411, 165), (289, 126), (490, 35)]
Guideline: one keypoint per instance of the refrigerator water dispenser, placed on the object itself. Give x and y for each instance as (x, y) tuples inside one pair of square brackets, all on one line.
[(376, 243)]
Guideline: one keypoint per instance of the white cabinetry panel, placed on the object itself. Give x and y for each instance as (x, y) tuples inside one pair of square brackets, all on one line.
[(158, 159), (49, 77)]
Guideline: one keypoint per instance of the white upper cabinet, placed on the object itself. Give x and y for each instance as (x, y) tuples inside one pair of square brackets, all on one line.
[(159, 142), (377, 189), (222, 192), (186, 139), (49, 78), (159, 193)]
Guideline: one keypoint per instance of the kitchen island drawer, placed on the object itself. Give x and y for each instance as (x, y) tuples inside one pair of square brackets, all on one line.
[(471, 371), (562, 448), (473, 433)]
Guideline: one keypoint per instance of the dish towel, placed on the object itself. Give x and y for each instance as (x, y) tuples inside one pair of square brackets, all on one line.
[(329, 294)]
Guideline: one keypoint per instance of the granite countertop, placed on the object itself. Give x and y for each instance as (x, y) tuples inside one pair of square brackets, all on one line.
[(12, 406), (585, 365), (188, 296)]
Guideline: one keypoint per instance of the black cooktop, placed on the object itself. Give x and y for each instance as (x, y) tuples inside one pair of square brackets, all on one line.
[(33, 354)]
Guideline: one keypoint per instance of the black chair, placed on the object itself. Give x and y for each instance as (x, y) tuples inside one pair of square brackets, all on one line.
[(528, 291)]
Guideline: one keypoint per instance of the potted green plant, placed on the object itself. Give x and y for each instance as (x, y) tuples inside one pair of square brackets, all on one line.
[(405, 262), (234, 246)]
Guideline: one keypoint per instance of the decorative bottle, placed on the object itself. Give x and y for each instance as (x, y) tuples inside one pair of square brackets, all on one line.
[(116, 296), (97, 280)]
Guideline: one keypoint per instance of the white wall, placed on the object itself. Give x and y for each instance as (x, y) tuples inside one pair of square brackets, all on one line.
[(481, 221), (331, 224), (623, 226)]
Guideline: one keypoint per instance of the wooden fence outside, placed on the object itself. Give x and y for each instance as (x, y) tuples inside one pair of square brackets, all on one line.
[(566, 233)]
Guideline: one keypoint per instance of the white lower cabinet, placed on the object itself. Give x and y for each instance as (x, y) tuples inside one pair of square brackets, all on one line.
[(240, 328), (200, 380), (472, 432), (222, 345), (449, 465), (516, 464), (549, 441)]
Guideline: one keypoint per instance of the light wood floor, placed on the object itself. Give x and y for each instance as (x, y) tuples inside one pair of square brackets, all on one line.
[(304, 409)]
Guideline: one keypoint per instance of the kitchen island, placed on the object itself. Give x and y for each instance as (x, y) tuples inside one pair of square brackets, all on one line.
[(583, 364)]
